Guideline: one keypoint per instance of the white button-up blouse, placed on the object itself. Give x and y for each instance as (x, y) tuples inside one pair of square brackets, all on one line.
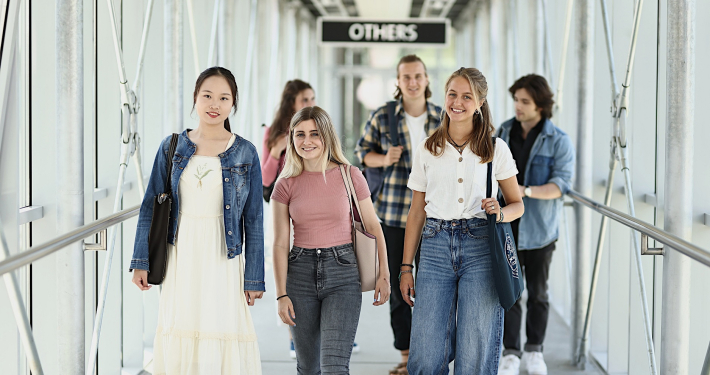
[(455, 184)]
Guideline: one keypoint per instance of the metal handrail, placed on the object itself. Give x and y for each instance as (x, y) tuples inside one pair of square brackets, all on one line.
[(37, 252), (670, 240)]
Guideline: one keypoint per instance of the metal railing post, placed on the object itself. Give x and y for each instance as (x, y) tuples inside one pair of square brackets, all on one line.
[(678, 192), (173, 72), (246, 88), (583, 183), (19, 311), (70, 182)]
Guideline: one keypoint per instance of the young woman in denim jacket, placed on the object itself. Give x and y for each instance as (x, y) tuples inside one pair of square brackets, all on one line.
[(317, 281), (204, 324), (457, 313)]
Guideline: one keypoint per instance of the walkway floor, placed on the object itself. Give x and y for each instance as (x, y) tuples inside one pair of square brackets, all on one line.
[(374, 336)]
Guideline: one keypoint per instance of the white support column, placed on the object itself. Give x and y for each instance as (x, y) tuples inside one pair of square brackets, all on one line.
[(173, 72), (583, 184), (678, 209), (539, 38), (70, 180)]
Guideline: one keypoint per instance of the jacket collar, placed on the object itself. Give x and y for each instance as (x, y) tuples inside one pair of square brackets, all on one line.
[(548, 128), (193, 146)]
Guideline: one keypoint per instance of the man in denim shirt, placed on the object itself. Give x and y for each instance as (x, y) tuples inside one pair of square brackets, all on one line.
[(545, 157)]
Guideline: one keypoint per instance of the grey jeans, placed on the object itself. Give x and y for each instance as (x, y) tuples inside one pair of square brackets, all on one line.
[(324, 287)]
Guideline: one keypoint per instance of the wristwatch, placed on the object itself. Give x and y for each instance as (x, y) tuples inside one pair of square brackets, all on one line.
[(527, 191)]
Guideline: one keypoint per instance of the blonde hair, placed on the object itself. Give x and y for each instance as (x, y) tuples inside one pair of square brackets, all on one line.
[(482, 128), (332, 149)]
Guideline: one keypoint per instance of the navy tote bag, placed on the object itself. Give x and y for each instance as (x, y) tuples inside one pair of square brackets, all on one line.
[(504, 256)]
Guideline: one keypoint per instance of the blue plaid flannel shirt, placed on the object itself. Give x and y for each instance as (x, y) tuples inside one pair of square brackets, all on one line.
[(392, 204)]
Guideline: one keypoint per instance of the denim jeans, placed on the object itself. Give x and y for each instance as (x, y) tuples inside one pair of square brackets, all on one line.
[(456, 313), (324, 287)]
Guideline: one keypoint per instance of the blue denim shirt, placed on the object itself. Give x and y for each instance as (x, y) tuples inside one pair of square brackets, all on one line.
[(551, 160), (243, 207)]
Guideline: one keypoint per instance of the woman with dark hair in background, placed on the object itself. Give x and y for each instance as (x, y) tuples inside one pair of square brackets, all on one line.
[(297, 94), (204, 324)]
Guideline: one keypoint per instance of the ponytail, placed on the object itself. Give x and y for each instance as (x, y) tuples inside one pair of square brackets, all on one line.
[(226, 125)]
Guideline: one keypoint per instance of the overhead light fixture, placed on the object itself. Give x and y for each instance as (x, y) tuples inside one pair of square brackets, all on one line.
[(437, 5)]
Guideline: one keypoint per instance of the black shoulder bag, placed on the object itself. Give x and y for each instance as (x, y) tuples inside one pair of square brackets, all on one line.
[(158, 235), (376, 176), (504, 256)]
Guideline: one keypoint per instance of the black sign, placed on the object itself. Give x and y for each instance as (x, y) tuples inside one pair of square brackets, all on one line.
[(352, 32)]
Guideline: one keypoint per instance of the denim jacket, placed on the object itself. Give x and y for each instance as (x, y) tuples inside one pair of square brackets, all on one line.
[(551, 160), (243, 209)]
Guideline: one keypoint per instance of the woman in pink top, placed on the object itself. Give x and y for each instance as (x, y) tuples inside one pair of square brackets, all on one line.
[(317, 281), (296, 95)]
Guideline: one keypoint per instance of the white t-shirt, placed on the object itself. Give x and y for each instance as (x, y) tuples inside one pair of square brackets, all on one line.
[(416, 127), (455, 184)]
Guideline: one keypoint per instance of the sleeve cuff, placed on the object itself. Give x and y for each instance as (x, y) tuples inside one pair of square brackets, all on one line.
[(258, 286), (507, 174), (417, 187), (139, 264), (562, 184)]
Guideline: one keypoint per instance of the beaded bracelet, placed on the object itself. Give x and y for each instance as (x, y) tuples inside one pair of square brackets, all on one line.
[(501, 216)]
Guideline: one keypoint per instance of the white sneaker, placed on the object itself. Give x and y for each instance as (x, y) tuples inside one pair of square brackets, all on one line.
[(535, 363), (509, 365)]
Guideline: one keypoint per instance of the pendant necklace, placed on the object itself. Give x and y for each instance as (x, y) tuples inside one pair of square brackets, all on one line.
[(458, 147)]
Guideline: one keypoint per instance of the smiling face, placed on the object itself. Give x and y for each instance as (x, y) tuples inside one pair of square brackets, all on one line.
[(461, 103), (305, 98), (214, 101), (307, 140), (525, 108), (412, 80)]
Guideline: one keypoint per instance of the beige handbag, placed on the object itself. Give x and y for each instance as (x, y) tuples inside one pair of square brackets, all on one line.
[(364, 243)]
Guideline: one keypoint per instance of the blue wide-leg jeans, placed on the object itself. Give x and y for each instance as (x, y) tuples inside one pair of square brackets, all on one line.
[(457, 314)]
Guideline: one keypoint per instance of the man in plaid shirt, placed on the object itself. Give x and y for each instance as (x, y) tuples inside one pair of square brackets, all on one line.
[(417, 118)]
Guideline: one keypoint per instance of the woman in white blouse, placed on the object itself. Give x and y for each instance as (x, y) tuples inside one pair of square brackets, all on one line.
[(457, 314)]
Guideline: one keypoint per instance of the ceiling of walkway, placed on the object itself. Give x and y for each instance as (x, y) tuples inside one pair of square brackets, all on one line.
[(387, 9)]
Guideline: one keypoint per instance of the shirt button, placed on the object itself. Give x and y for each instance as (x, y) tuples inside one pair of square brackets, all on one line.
[(460, 180), (226, 180), (460, 159), (229, 233), (227, 206), (460, 200)]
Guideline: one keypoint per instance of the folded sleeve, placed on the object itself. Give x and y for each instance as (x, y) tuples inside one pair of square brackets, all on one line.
[(362, 190), (503, 161), (417, 177)]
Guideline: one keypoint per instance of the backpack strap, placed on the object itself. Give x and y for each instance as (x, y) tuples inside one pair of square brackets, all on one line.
[(393, 122)]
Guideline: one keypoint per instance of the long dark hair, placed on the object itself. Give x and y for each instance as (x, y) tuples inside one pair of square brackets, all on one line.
[(229, 77), (283, 115), (482, 128)]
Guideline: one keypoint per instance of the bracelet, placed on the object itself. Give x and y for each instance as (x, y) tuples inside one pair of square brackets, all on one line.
[(501, 216), (278, 298), (401, 272), (406, 265)]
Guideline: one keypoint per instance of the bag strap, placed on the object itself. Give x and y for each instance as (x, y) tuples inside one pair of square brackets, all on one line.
[(350, 197), (353, 194), (171, 153), (393, 122), (489, 183)]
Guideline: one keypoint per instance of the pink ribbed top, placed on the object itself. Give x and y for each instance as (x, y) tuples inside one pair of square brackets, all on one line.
[(319, 208)]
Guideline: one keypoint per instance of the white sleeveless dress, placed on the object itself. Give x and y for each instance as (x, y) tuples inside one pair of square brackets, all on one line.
[(204, 323)]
